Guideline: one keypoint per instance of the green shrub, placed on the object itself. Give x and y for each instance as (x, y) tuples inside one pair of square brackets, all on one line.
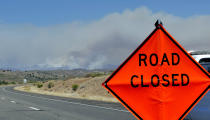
[(13, 82), (75, 87), (50, 85), (3, 82), (94, 74), (39, 85)]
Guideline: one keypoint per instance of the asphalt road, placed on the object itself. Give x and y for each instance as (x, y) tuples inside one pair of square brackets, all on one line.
[(16, 105)]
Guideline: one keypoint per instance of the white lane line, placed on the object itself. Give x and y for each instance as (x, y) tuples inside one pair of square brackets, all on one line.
[(12, 101), (33, 108), (76, 103)]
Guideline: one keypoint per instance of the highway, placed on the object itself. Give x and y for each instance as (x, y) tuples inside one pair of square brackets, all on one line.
[(16, 105)]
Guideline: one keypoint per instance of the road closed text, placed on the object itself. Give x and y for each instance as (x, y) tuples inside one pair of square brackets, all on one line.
[(170, 60)]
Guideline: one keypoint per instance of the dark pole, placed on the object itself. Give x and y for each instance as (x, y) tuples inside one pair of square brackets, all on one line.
[(158, 22)]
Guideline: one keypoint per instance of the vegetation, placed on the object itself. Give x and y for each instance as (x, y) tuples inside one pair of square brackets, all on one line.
[(35, 76), (13, 82), (95, 74), (4, 82), (50, 85), (75, 87), (39, 85)]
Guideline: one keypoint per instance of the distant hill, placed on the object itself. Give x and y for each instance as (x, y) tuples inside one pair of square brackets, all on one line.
[(38, 75)]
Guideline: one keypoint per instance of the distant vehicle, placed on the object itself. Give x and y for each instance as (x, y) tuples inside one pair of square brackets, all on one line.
[(204, 60), (202, 110)]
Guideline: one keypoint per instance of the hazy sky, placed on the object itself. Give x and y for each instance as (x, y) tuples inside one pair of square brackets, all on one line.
[(93, 33)]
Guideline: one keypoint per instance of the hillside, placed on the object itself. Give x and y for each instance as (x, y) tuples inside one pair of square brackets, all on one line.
[(82, 87)]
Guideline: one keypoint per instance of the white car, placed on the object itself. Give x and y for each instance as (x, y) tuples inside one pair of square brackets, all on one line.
[(204, 60)]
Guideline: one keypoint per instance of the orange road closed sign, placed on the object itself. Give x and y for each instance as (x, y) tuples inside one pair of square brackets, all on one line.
[(159, 80)]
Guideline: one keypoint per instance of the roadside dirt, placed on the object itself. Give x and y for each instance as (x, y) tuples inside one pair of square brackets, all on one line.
[(86, 88)]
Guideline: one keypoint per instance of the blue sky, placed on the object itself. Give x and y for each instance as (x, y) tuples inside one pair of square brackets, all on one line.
[(49, 12)]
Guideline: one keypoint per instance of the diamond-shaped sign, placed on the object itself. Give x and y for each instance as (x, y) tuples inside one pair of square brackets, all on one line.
[(159, 80)]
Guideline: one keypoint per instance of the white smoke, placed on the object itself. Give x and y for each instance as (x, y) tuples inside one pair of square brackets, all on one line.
[(98, 44)]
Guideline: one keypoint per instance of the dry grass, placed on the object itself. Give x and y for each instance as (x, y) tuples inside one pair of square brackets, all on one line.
[(88, 88)]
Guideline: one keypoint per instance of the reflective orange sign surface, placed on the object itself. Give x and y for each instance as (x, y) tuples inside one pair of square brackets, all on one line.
[(159, 80)]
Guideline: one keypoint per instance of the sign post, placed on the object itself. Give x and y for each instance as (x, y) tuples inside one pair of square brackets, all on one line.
[(159, 80)]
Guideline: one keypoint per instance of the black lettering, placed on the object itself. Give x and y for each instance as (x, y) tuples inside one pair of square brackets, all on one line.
[(132, 84), (142, 57), (187, 80), (142, 82), (156, 59), (173, 59), (174, 79), (166, 80), (152, 81), (165, 59)]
